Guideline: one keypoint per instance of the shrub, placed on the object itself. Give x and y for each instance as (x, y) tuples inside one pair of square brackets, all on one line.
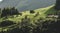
[(15, 30), (6, 23), (20, 13), (32, 11), (37, 14)]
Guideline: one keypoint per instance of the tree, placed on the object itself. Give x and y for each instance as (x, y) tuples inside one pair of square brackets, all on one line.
[(4, 13), (0, 12), (9, 11), (57, 5)]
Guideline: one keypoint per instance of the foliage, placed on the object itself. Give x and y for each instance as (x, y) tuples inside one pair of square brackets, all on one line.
[(6, 23), (32, 11), (57, 5), (11, 11)]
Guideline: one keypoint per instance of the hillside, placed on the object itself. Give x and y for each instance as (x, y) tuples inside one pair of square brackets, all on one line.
[(26, 4), (32, 18), (42, 12)]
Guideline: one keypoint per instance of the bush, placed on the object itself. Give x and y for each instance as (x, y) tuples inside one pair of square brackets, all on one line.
[(50, 27), (6, 23), (20, 13), (15, 30), (36, 14), (32, 11)]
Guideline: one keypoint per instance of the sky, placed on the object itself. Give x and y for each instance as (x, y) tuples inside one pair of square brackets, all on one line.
[(1, 0)]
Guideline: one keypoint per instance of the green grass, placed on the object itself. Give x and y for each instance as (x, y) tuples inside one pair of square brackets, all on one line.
[(42, 14)]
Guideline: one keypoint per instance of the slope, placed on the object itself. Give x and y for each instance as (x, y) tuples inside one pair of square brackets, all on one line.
[(38, 14), (26, 4)]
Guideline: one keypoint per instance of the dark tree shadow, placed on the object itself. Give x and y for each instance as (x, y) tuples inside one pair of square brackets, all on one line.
[(53, 27), (6, 23)]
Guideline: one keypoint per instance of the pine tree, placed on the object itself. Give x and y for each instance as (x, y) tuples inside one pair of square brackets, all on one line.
[(57, 5), (0, 12), (9, 11)]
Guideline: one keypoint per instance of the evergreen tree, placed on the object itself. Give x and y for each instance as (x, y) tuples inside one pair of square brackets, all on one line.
[(57, 5), (0, 12), (9, 11), (13, 11)]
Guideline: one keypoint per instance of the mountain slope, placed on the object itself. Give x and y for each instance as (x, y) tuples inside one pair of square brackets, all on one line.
[(42, 12), (30, 20), (26, 4)]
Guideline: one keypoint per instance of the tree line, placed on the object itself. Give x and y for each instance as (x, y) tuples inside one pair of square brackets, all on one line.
[(8, 11)]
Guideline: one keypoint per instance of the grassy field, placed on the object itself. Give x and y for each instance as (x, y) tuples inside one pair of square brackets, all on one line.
[(42, 12), (39, 13)]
